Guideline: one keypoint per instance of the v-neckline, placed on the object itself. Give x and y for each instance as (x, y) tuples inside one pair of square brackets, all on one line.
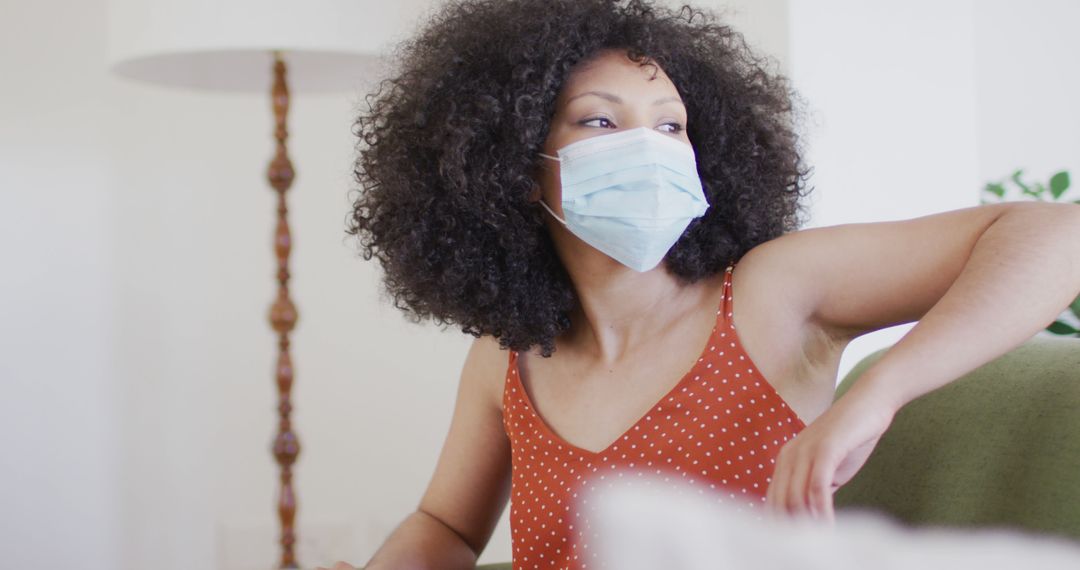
[(686, 378)]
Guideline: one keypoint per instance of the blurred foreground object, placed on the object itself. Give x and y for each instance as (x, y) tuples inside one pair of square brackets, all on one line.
[(649, 526)]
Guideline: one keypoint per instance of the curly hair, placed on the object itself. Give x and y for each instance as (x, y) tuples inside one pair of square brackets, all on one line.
[(448, 149)]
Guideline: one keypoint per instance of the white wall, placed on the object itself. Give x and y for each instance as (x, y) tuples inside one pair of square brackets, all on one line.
[(890, 90), (59, 470), (137, 361), (135, 357), (916, 104), (1026, 69)]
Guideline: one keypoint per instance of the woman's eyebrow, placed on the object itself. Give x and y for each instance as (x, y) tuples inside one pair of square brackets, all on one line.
[(618, 100), (669, 100)]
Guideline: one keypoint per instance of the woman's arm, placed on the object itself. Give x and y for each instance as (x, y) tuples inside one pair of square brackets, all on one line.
[(422, 541), (471, 483), (1021, 273), (981, 281)]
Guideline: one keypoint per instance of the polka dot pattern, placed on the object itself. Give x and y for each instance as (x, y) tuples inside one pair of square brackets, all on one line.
[(718, 430)]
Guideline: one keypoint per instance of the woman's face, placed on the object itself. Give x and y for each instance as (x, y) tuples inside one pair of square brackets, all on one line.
[(603, 95)]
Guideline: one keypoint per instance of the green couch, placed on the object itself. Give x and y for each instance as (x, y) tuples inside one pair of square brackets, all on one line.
[(999, 447)]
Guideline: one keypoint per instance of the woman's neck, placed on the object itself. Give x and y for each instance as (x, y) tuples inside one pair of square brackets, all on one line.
[(620, 309)]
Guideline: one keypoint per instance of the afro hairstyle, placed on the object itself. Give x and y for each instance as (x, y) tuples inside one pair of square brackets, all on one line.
[(448, 147)]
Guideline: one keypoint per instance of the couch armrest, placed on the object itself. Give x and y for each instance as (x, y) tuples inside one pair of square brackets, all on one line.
[(999, 446)]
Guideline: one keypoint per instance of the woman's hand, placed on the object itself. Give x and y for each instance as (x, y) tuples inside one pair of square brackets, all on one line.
[(825, 455)]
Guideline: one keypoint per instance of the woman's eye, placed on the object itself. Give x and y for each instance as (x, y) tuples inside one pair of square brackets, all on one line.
[(587, 121), (676, 127)]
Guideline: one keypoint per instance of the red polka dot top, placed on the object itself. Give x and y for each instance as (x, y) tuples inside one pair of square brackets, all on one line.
[(719, 429)]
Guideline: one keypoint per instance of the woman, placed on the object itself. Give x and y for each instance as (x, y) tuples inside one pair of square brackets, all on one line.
[(590, 187)]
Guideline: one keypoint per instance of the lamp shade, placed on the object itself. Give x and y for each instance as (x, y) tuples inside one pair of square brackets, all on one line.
[(225, 44)]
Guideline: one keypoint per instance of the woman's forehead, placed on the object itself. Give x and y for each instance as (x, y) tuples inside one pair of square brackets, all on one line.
[(613, 72)]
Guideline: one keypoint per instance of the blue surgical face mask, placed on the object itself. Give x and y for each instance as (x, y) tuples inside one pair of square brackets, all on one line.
[(629, 194)]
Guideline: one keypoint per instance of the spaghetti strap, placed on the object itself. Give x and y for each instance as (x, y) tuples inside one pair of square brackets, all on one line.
[(725, 304), (511, 370)]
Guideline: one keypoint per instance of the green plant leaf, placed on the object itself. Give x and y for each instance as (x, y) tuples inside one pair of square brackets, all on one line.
[(1058, 327), (1075, 307), (995, 188), (1024, 188), (1059, 183), (1037, 192), (1016, 179)]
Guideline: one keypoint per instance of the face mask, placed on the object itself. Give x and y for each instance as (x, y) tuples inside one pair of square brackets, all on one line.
[(629, 194)]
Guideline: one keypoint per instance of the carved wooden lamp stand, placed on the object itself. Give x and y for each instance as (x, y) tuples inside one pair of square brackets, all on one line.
[(241, 45), (283, 318)]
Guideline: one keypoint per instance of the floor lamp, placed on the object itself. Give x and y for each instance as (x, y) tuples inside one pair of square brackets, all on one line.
[(245, 45)]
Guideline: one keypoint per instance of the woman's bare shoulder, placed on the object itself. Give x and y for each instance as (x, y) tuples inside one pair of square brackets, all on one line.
[(487, 363), (794, 352)]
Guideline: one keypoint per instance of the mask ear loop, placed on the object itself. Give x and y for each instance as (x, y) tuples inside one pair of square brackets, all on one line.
[(542, 203)]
